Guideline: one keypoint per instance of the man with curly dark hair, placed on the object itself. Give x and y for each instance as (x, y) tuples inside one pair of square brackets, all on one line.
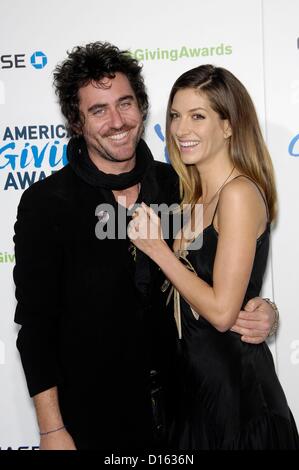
[(88, 305)]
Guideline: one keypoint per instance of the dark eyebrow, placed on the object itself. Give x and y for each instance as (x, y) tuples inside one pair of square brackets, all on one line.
[(126, 97), (196, 109), (191, 110)]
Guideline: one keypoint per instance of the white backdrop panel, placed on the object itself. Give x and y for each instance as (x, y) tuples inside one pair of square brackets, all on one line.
[(282, 109), (168, 38)]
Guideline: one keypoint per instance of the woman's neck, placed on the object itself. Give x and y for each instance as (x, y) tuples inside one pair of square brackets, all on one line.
[(214, 176)]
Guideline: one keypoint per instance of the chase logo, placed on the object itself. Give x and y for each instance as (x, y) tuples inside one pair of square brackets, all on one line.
[(38, 60)]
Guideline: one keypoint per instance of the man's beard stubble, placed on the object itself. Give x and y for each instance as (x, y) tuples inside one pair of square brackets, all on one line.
[(107, 156)]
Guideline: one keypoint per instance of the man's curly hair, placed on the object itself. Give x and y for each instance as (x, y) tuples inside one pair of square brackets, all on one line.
[(93, 62)]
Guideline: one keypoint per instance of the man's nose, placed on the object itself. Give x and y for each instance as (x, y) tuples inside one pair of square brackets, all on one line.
[(116, 119)]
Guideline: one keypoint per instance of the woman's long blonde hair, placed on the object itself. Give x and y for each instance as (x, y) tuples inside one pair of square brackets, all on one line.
[(247, 148)]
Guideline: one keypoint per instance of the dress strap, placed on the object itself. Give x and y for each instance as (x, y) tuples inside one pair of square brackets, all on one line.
[(212, 222), (259, 189)]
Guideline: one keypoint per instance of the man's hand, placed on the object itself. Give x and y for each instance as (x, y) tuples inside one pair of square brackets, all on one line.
[(255, 322), (59, 440)]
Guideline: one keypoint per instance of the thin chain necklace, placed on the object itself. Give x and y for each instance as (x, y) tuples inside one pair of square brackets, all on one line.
[(206, 204)]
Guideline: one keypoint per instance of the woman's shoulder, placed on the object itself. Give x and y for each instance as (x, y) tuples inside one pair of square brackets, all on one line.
[(242, 195), (241, 189)]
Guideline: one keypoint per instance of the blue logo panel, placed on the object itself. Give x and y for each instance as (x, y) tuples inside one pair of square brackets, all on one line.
[(38, 60)]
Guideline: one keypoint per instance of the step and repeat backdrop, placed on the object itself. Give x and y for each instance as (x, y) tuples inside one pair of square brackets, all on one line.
[(258, 40)]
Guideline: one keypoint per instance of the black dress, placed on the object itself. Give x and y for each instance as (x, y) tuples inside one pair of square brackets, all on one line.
[(229, 396)]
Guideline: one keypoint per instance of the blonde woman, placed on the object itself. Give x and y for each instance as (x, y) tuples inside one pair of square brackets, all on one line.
[(229, 396)]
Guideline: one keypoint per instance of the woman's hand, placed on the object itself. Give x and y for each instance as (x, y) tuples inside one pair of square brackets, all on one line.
[(145, 231)]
